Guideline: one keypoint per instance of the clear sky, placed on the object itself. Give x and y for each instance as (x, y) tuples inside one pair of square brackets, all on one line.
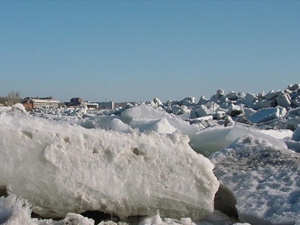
[(137, 50)]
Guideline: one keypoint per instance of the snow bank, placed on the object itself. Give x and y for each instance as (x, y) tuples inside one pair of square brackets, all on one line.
[(147, 112), (159, 125), (264, 180), (106, 123), (61, 168), (17, 107), (214, 139)]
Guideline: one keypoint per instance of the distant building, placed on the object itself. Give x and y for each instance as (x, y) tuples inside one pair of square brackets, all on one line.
[(106, 105), (34, 103), (91, 105), (75, 102)]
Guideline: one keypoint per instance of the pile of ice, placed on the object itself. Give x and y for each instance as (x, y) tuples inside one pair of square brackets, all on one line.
[(265, 180), (216, 138), (274, 110), (61, 168), (150, 157)]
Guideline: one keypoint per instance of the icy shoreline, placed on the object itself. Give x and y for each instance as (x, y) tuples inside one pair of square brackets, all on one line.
[(135, 161)]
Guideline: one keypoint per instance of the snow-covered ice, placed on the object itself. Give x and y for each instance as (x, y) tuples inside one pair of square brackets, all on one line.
[(149, 159), (61, 168), (14, 211), (263, 178), (159, 125), (267, 114), (147, 112), (216, 138)]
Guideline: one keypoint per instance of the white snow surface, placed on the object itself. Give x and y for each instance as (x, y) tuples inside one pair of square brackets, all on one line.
[(138, 160), (159, 125), (217, 218), (14, 211), (264, 180), (279, 134), (17, 107), (106, 123), (216, 138), (145, 112), (60, 168)]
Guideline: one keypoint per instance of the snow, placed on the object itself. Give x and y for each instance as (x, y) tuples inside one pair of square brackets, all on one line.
[(106, 123), (147, 112), (63, 168), (72, 218), (17, 107), (217, 218), (19, 213), (14, 211), (146, 163), (279, 134), (263, 178), (214, 139), (159, 125)]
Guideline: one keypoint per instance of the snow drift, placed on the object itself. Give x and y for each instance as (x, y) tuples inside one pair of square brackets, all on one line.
[(216, 138), (263, 178), (61, 168), (146, 113)]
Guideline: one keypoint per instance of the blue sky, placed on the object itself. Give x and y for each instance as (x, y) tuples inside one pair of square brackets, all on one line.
[(137, 50)]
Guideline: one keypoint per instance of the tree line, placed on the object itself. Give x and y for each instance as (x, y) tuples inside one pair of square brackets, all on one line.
[(11, 99)]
